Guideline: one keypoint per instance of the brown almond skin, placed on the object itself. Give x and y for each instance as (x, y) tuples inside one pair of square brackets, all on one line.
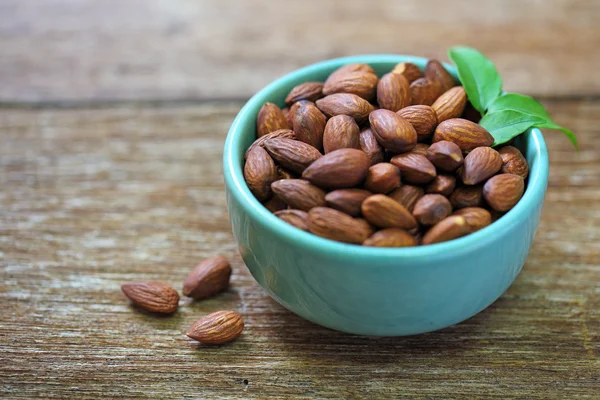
[(309, 125), (275, 204), (424, 91), (420, 148), (343, 168), (259, 172), (476, 217), (393, 132), (449, 228), (341, 132), (382, 178), (345, 104), (407, 195), (466, 196), (385, 212), (217, 328), (358, 79), (408, 70), (294, 108), (421, 117), (270, 118), (466, 134), (445, 155), (347, 200), (297, 218), (209, 277), (292, 154), (435, 71), (336, 225), (298, 193), (480, 164), (442, 184), (431, 209), (310, 91), (391, 237), (513, 162), (414, 168), (393, 92), (281, 133), (152, 296), (503, 191), (450, 104), (370, 145)]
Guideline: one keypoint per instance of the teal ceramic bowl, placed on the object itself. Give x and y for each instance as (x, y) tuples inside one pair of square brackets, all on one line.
[(376, 291)]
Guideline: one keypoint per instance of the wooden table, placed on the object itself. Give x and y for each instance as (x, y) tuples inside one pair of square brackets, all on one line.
[(113, 115)]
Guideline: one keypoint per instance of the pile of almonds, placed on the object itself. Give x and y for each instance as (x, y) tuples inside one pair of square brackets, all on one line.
[(393, 161)]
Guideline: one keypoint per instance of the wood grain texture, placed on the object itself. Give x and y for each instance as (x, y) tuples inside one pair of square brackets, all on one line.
[(92, 198), (99, 50)]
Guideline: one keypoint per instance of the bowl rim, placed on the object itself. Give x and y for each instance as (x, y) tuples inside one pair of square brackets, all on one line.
[(236, 185)]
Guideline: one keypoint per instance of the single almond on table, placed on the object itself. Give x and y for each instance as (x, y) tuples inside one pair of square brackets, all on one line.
[(341, 132), (466, 196), (421, 117), (209, 277), (309, 125), (407, 195), (393, 92), (371, 147), (392, 131), (275, 204), (450, 104), (270, 118), (513, 162), (390, 237), (343, 168), (476, 217), (424, 91), (442, 184), (449, 228), (259, 172), (382, 178), (345, 104), (297, 218), (480, 164), (260, 142), (310, 91), (217, 328), (431, 209), (292, 154), (347, 200), (336, 225), (385, 212), (435, 71), (445, 155), (152, 296), (298, 193), (358, 79), (503, 191), (408, 70), (414, 168), (466, 134)]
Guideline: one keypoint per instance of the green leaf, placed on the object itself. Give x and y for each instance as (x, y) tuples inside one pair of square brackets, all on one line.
[(506, 124), (568, 133), (478, 76)]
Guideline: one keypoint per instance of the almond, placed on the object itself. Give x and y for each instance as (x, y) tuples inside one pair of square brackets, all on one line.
[(449, 228), (393, 92), (435, 71), (309, 125), (270, 118), (152, 296), (513, 162), (431, 209), (209, 277), (445, 155), (450, 104), (442, 184), (422, 118), (382, 178), (345, 104), (466, 196), (407, 195), (408, 70), (281, 133), (292, 154), (371, 147), (275, 204), (424, 91), (390, 237), (341, 168), (392, 131), (294, 108), (476, 217), (310, 91), (335, 225), (260, 172), (298, 193), (420, 148), (358, 79), (297, 218), (385, 212), (341, 132), (503, 191), (466, 134), (480, 164), (414, 168), (347, 200), (217, 328)]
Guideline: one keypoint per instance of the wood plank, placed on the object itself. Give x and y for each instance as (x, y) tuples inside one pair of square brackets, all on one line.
[(92, 198), (102, 50)]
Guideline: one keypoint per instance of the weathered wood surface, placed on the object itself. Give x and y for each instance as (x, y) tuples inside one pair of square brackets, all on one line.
[(92, 198), (99, 50)]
